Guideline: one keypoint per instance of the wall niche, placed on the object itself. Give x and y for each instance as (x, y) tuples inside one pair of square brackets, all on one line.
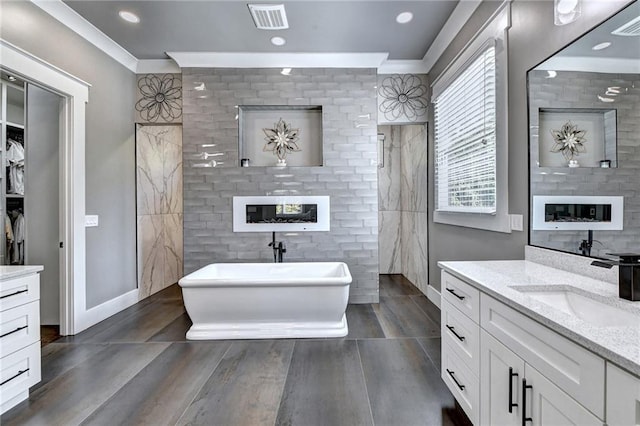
[(264, 128)]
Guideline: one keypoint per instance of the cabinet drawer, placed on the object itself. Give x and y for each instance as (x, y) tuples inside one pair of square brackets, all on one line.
[(18, 291), (19, 327), (461, 295), (623, 397), (462, 335), (577, 371), (462, 383), (18, 372)]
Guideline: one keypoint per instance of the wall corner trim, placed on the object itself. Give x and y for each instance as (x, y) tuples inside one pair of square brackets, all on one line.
[(70, 18)]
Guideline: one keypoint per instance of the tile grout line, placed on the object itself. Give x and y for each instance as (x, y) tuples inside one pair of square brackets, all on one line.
[(284, 385), (422, 310), (364, 380)]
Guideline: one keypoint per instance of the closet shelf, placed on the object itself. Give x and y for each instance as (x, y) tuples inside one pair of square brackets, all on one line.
[(16, 125), (15, 196)]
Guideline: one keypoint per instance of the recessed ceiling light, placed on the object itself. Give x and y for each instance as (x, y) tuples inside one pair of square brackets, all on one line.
[(566, 6), (285, 71), (278, 41), (129, 16), (12, 78), (404, 17), (551, 74), (601, 46)]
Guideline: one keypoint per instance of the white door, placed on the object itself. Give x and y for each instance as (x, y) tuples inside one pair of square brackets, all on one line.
[(501, 375), (623, 397), (546, 404)]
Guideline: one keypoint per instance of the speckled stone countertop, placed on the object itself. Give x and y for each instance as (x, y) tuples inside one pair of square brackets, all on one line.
[(500, 279), (7, 272)]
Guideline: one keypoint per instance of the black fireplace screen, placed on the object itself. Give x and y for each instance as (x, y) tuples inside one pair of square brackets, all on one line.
[(282, 213)]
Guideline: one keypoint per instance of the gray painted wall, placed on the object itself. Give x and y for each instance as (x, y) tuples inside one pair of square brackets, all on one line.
[(42, 189), (348, 176), (110, 148), (532, 38)]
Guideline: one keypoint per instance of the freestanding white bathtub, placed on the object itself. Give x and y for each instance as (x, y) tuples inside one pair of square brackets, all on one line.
[(267, 300)]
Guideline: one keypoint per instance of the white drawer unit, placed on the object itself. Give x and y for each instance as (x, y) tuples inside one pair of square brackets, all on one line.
[(19, 371), (18, 291), (461, 381), (19, 334), (623, 397), (461, 295), (576, 370), (19, 327), (462, 335)]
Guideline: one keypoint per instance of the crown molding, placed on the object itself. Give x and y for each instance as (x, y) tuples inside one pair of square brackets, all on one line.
[(277, 60), (449, 31), (591, 64), (403, 67), (157, 66), (74, 21)]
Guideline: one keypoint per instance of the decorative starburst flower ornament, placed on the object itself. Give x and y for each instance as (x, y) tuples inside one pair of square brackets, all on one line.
[(569, 140), (404, 95), (282, 139), (160, 98)]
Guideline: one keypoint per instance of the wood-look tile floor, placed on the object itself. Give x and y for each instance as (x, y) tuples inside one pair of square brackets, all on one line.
[(136, 368)]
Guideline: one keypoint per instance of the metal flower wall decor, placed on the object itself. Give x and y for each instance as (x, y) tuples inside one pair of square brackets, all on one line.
[(403, 96), (281, 139), (569, 140), (160, 98)]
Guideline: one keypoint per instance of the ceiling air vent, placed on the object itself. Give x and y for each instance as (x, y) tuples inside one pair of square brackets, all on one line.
[(631, 28), (269, 16)]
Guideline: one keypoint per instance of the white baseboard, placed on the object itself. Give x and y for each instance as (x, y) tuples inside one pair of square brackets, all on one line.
[(105, 310), (433, 295)]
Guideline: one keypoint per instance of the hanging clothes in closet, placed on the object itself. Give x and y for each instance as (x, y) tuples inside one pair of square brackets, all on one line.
[(15, 162), (17, 247)]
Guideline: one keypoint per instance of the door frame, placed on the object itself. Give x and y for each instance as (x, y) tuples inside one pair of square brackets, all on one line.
[(75, 94)]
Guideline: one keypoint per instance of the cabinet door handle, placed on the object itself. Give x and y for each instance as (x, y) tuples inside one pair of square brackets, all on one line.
[(13, 294), (14, 331), (525, 386), (20, 373), (452, 291), (453, 330), (511, 376), (454, 379)]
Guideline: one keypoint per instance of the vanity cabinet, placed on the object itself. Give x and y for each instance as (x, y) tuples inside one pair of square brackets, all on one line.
[(623, 397), (509, 369), (19, 334)]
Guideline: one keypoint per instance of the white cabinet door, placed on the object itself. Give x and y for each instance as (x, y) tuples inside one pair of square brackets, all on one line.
[(544, 404), (501, 374), (623, 397)]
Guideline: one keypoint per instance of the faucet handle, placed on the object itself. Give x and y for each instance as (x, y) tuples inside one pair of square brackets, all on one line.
[(627, 257)]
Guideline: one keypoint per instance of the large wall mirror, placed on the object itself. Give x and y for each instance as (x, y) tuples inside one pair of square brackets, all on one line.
[(584, 141)]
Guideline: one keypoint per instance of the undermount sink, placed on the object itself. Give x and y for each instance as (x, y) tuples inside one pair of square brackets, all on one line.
[(588, 309)]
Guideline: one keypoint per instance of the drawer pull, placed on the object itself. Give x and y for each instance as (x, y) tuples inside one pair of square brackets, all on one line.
[(14, 331), (20, 373), (511, 376), (525, 386), (14, 294), (452, 291), (454, 379), (453, 330)]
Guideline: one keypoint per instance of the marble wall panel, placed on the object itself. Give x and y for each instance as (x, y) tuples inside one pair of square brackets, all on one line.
[(414, 249), (150, 170), (151, 254), (173, 252), (389, 241), (160, 220), (389, 174), (413, 185)]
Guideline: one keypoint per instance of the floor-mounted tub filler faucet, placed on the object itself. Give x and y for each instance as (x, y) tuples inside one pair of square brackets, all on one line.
[(279, 248)]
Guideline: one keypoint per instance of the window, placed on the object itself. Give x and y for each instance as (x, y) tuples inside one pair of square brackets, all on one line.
[(470, 132), (465, 139)]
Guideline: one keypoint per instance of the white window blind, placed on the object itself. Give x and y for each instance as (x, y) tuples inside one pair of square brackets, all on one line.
[(465, 138)]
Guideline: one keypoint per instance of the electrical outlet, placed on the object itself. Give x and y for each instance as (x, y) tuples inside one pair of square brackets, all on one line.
[(90, 221), (516, 222)]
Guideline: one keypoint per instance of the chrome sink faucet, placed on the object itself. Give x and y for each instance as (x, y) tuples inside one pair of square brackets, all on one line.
[(279, 248)]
